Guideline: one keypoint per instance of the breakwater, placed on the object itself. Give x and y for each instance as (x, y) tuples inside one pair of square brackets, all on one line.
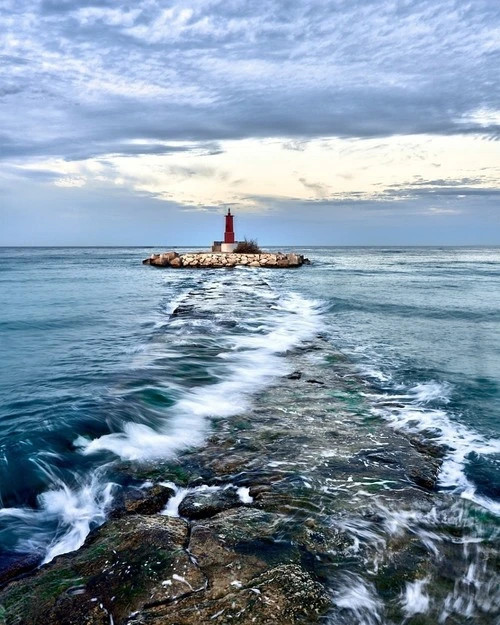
[(220, 260)]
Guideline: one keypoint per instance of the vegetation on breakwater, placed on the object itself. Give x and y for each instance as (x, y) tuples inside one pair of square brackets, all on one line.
[(248, 246)]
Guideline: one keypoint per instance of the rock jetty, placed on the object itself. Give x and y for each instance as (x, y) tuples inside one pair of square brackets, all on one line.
[(207, 260)]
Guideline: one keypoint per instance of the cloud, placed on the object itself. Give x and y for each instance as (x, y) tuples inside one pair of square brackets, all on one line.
[(17, 173), (297, 146), (81, 79), (70, 181), (320, 190), (439, 210), (320, 110), (458, 188)]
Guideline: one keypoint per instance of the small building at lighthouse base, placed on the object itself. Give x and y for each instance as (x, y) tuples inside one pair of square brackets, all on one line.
[(225, 248)]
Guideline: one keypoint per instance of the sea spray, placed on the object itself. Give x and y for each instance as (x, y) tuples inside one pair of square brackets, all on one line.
[(355, 601), (63, 518), (415, 599)]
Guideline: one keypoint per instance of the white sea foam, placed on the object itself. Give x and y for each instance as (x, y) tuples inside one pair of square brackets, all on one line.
[(244, 495), (76, 511), (16, 513), (172, 507), (253, 361), (459, 441), (357, 601), (431, 391), (72, 511), (415, 599)]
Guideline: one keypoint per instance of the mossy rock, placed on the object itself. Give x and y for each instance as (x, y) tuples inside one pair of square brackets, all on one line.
[(121, 566)]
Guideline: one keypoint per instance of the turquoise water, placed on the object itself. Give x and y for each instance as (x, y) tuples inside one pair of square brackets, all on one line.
[(103, 358)]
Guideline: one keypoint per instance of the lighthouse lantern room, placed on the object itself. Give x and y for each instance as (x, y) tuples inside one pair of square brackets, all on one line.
[(229, 244)]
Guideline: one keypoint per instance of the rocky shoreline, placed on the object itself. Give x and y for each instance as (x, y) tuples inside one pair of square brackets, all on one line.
[(263, 524), (206, 260)]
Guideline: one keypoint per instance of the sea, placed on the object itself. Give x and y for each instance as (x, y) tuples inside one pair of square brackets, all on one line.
[(98, 367)]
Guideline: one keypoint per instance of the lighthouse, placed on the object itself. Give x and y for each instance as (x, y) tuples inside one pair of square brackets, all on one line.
[(229, 244), (229, 231)]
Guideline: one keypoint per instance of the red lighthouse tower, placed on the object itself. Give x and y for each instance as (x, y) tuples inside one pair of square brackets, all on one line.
[(229, 244), (229, 232)]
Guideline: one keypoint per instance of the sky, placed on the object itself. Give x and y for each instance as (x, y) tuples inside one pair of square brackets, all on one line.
[(318, 122)]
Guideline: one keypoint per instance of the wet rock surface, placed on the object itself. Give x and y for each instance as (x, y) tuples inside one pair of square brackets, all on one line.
[(121, 565), (13, 565), (206, 503), (306, 508), (145, 500)]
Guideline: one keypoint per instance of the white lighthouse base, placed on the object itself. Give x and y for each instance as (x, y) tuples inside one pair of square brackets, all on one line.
[(228, 247)]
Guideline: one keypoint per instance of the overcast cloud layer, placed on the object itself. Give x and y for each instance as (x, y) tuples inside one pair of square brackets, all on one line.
[(192, 94)]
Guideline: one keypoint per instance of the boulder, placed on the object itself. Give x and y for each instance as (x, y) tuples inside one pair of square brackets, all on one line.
[(142, 500), (160, 260), (202, 504)]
